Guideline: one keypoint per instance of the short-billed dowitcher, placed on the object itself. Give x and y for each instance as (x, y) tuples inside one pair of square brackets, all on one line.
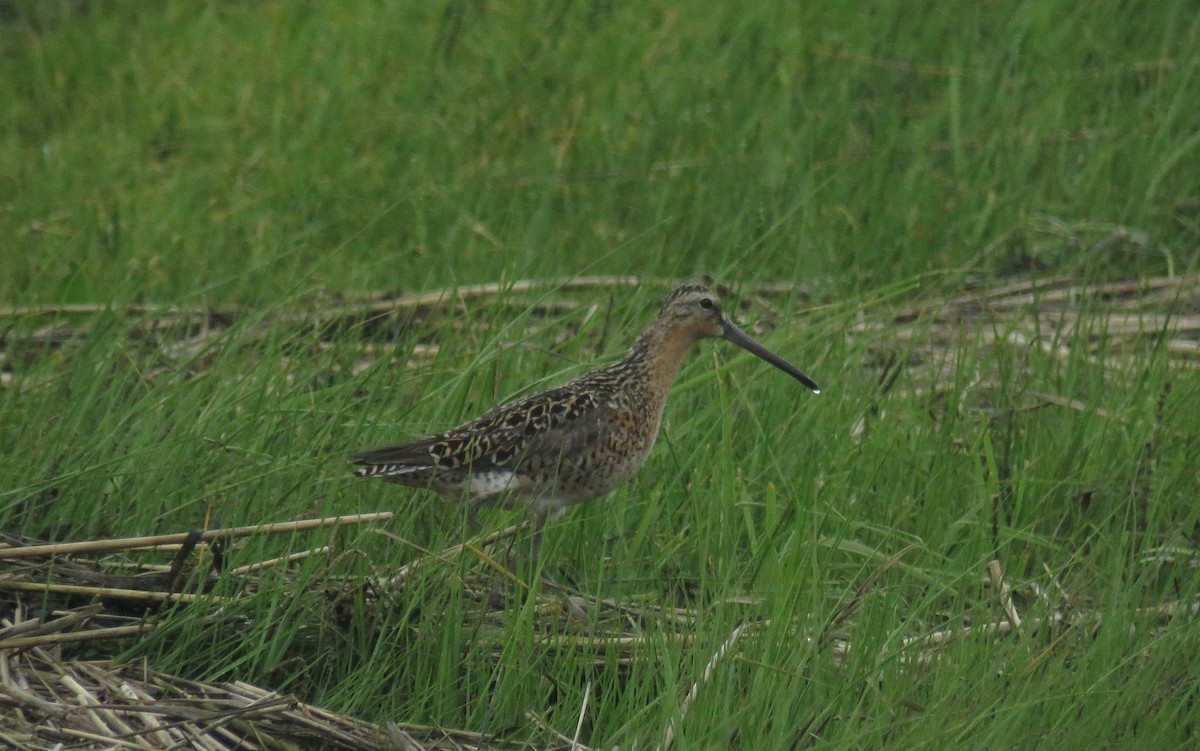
[(560, 447)]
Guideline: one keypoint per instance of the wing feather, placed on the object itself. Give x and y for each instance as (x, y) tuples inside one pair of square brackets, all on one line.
[(558, 422)]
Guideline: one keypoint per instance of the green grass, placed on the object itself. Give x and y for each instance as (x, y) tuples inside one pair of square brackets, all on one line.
[(275, 158)]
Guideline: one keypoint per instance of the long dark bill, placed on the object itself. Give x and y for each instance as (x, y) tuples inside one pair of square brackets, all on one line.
[(743, 340)]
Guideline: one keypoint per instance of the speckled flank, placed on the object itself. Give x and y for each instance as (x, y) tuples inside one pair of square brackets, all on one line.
[(569, 444)]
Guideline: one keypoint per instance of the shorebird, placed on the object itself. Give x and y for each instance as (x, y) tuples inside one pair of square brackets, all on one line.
[(551, 450)]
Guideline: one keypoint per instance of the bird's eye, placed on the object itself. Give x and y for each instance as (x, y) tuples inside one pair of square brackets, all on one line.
[(706, 303)]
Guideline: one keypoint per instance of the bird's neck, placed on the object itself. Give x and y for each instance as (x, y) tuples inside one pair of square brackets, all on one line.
[(658, 354)]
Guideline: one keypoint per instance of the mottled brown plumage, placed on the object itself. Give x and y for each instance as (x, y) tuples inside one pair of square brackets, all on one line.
[(575, 442)]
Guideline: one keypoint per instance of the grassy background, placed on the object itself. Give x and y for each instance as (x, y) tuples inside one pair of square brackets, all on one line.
[(274, 157)]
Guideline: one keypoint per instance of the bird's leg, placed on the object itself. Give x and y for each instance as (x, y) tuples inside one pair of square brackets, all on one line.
[(539, 523), (569, 606), (529, 566)]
